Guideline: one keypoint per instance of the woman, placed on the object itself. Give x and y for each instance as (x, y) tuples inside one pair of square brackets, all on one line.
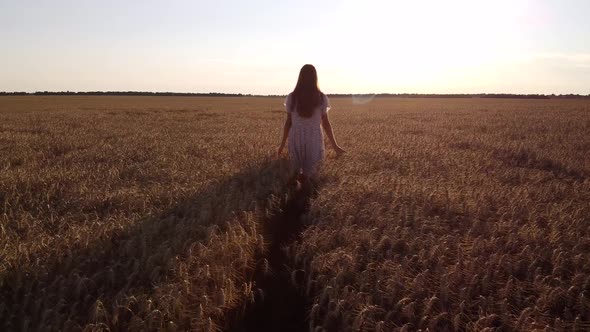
[(307, 107)]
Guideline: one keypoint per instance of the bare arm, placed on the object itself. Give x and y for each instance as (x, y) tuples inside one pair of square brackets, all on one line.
[(328, 129), (286, 129)]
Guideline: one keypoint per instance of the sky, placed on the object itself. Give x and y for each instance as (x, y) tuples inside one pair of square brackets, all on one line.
[(258, 46)]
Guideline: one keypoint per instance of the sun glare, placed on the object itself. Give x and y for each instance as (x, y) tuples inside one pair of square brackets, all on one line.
[(419, 43)]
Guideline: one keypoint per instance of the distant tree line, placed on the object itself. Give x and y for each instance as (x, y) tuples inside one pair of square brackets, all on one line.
[(124, 93), (467, 95), (337, 95)]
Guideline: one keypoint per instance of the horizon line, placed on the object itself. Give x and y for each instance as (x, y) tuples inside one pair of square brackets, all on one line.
[(229, 94)]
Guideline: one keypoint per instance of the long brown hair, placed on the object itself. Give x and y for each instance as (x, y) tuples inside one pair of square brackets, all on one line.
[(307, 95)]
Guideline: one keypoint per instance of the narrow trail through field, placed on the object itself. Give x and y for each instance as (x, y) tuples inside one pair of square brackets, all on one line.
[(279, 304)]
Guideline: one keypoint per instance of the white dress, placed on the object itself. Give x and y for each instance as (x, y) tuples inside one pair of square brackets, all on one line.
[(306, 140)]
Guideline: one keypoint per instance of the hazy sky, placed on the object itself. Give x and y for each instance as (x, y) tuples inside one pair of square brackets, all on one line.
[(452, 46)]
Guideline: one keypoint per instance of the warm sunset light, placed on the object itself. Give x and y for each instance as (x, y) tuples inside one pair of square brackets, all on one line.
[(271, 165), (519, 46)]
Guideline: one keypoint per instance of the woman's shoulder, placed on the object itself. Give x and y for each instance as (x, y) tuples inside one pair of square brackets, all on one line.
[(288, 102), (289, 97), (325, 103)]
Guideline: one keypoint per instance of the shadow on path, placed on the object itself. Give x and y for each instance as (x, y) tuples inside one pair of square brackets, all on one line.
[(279, 303)]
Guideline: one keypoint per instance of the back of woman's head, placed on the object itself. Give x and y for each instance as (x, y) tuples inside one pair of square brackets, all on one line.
[(307, 95)]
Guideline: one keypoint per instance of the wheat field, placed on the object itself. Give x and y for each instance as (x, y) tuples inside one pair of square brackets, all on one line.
[(146, 214)]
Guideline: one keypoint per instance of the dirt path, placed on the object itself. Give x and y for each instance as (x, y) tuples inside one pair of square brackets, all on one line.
[(279, 303)]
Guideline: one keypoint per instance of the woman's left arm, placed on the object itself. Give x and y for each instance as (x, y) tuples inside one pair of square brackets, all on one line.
[(286, 129)]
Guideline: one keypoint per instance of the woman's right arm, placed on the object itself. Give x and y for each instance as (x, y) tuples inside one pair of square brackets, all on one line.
[(286, 129), (328, 129)]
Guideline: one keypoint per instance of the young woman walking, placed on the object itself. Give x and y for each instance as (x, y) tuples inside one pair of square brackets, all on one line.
[(307, 111)]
